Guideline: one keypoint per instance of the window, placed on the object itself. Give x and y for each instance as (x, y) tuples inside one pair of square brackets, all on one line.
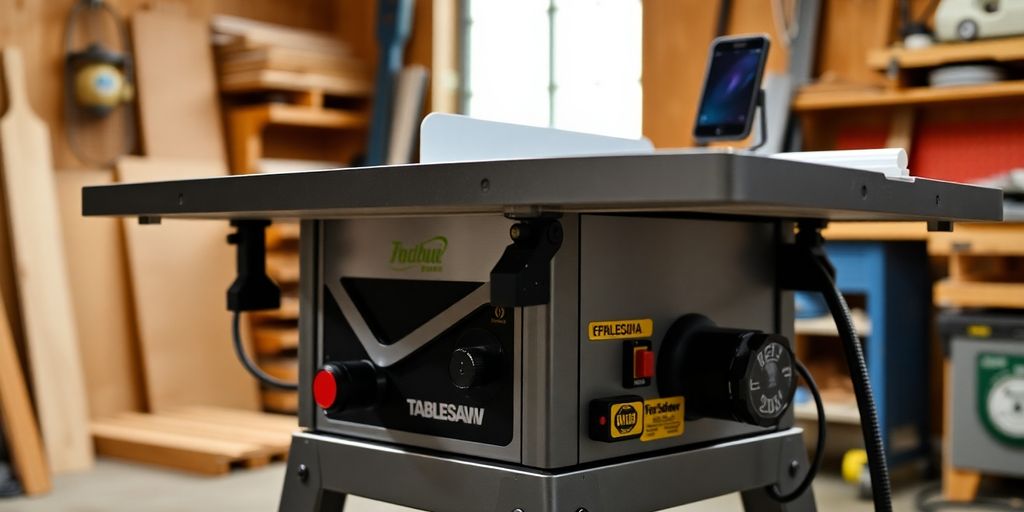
[(570, 64)]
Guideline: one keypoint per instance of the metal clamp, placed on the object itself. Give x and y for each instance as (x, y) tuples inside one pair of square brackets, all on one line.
[(522, 276)]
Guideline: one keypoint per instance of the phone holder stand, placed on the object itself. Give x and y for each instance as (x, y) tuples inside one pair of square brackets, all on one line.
[(762, 128)]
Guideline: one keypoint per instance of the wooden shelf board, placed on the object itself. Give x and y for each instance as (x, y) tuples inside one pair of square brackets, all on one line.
[(289, 311), (819, 101), (983, 239), (1000, 50), (272, 340), (876, 231), (949, 293), (281, 401), (296, 115), (845, 413), (276, 80), (825, 326)]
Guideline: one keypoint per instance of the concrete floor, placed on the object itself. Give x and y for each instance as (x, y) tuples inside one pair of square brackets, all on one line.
[(121, 487)]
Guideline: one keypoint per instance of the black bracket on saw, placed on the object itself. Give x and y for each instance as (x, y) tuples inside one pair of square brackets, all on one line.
[(522, 277), (253, 289), (807, 251)]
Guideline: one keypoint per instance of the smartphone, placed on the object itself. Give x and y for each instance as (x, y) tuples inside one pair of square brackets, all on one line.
[(731, 86)]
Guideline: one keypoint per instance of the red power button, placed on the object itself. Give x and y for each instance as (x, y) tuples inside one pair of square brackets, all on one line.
[(643, 363), (325, 388)]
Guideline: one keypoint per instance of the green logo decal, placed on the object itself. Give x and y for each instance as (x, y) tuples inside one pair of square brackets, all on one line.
[(426, 255)]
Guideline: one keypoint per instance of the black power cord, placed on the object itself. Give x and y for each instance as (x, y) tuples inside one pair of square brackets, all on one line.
[(819, 450), (252, 290), (805, 266), (881, 491), (249, 364)]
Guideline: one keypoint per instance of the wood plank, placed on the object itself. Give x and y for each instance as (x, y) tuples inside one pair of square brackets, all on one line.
[(178, 111), (980, 239), (257, 33), (284, 368), (275, 80), (180, 271), (18, 420), (273, 443), (106, 323), (271, 340), (277, 422), (289, 311), (282, 233), (291, 59), (876, 231), (818, 101), (1005, 49), (181, 451), (283, 267), (293, 115), (43, 284), (280, 400), (957, 484), (948, 293), (848, 30)]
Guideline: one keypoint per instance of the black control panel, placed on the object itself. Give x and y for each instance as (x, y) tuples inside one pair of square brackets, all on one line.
[(458, 385)]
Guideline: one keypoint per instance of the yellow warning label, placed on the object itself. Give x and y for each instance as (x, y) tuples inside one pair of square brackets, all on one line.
[(663, 417), (627, 419), (620, 329), (979, 331)]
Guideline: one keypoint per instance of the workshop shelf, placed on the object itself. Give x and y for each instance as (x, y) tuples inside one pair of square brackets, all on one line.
[(825, 325), (1000, 50), (835, 412), (811, 100)]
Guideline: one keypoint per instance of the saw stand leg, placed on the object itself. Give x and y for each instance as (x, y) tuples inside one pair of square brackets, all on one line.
[(303, 490), (758, 500)]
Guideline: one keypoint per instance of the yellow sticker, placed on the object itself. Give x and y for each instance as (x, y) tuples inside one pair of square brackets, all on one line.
[(627, 419), (663, 418), (620, 329), (979, 331)]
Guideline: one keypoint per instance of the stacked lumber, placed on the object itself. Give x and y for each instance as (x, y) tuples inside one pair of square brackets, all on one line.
[(257, 56), (205, 440), (272, 75)]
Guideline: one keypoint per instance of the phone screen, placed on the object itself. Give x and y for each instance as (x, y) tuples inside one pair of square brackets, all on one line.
[(731, 88)]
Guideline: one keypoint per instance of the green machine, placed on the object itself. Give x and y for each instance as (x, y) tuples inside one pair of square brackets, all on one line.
[(987, 352)]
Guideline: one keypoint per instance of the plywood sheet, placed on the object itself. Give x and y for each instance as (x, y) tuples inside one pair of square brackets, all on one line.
[(178, 111), (43, 285), (102, 299), (180, 271)]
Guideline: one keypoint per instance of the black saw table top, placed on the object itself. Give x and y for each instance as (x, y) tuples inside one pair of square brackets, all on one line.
[(723, 183)]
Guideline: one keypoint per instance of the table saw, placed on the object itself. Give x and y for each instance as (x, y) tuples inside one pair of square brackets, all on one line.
[(589, 333)]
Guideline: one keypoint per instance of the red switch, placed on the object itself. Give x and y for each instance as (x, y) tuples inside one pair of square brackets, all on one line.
[(643, 363), (637, 363)]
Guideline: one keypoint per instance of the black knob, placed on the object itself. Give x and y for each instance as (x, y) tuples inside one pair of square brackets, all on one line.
[(734, 374), (469, 366), (347, 385)]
